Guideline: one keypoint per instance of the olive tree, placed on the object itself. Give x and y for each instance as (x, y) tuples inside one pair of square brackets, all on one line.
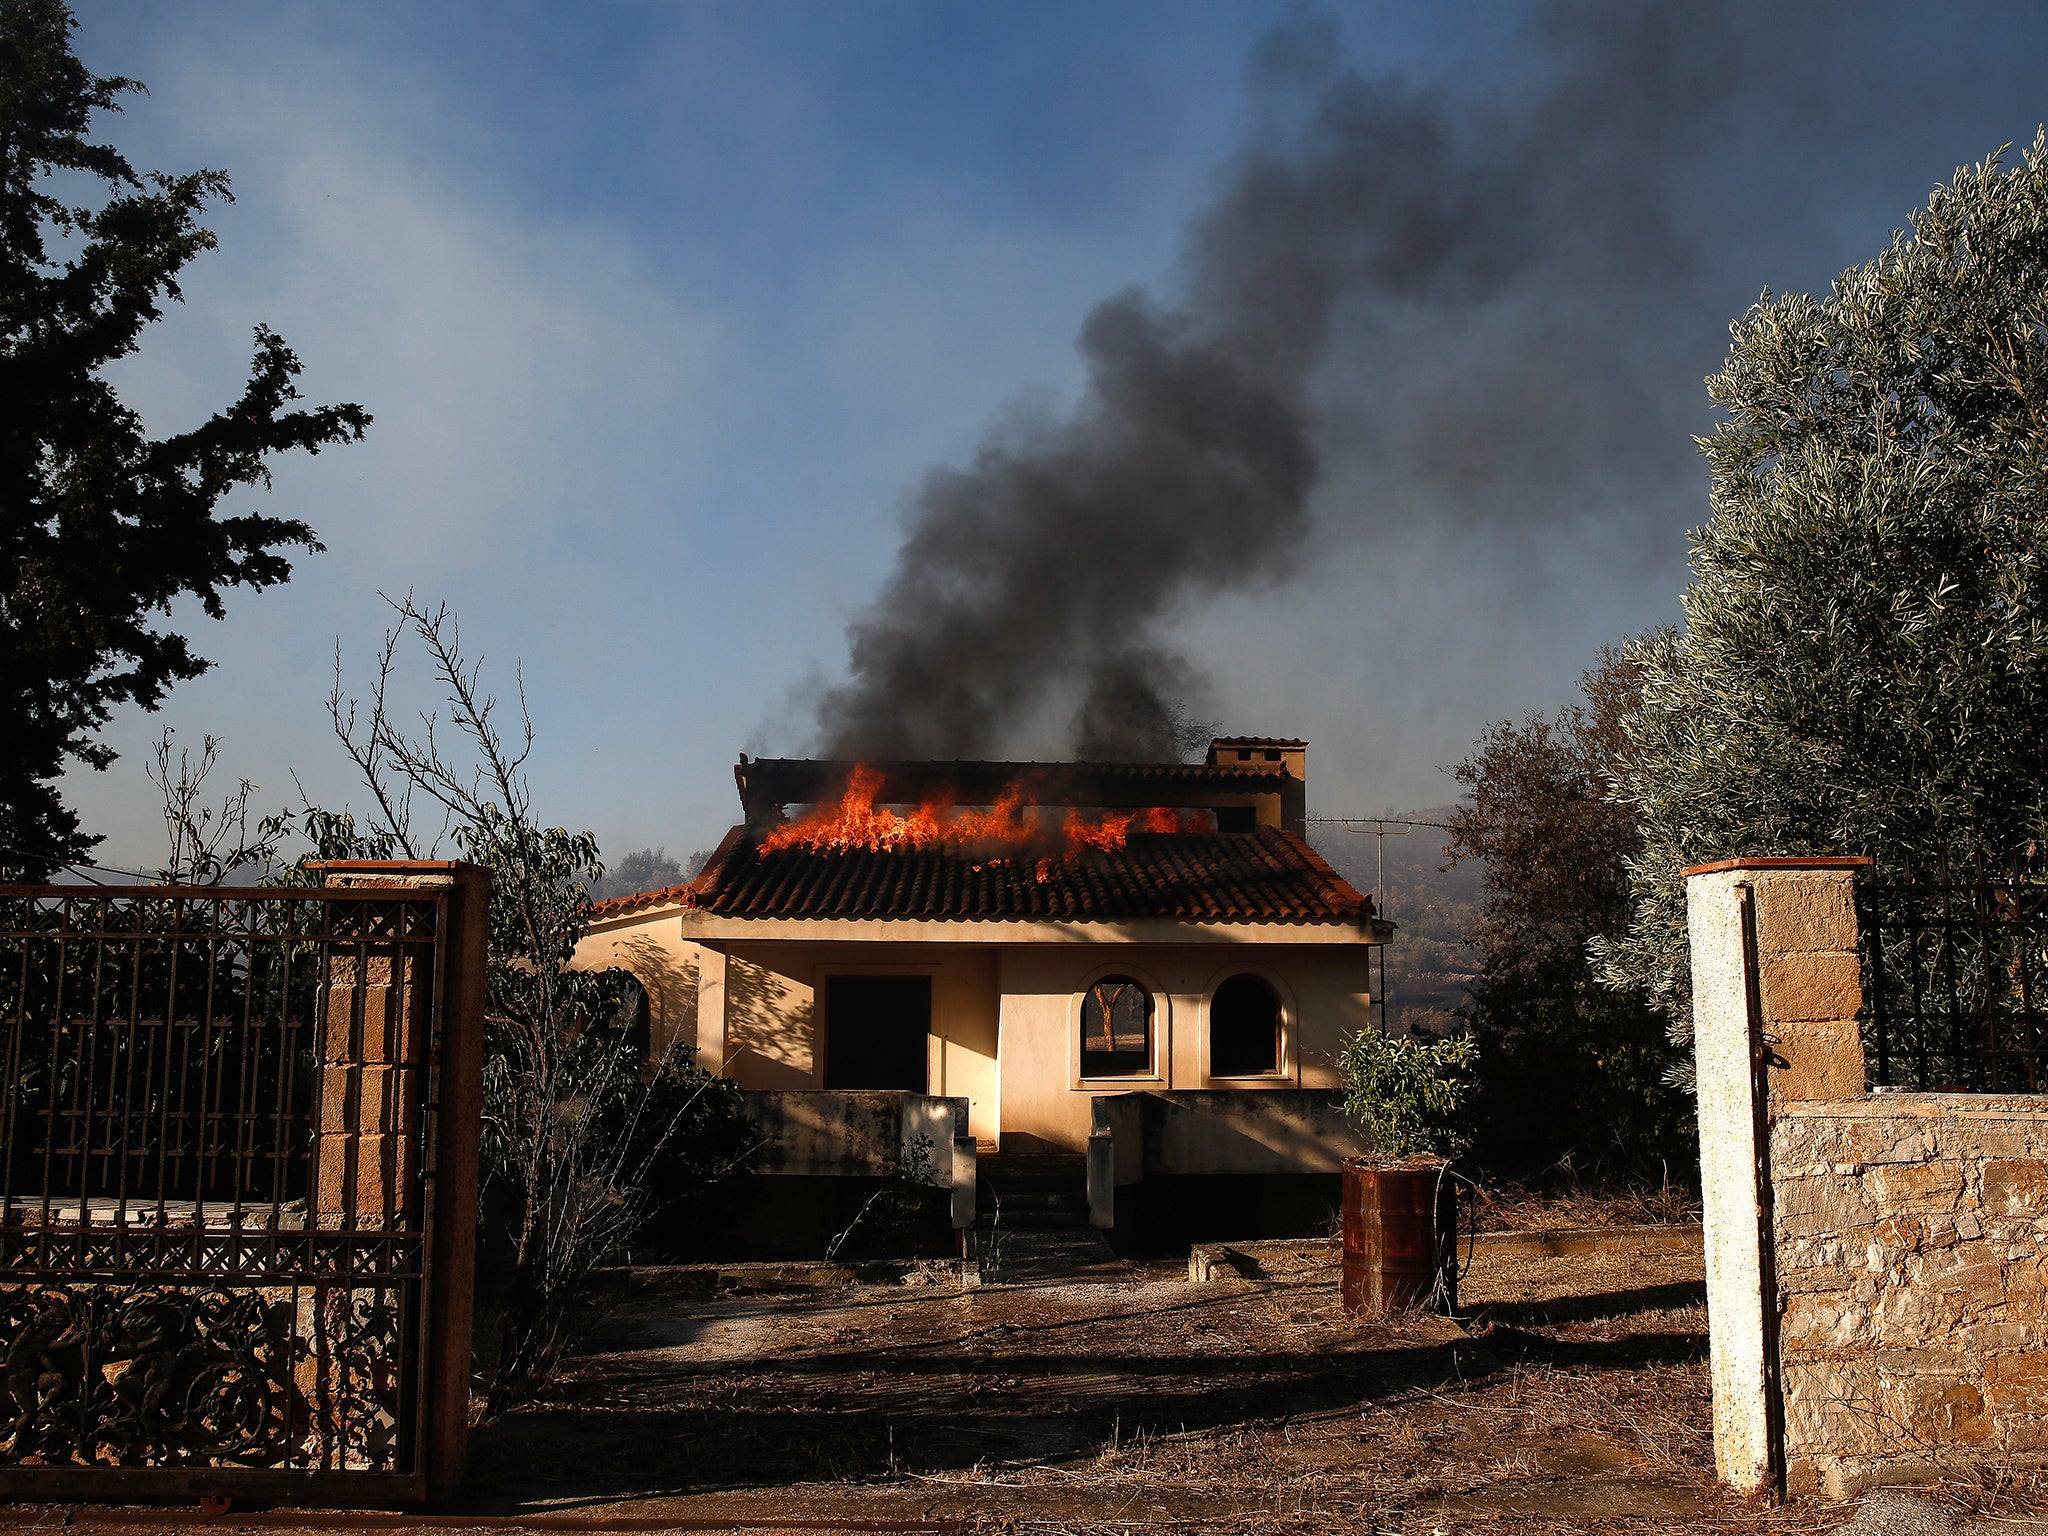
[(1864, 662)]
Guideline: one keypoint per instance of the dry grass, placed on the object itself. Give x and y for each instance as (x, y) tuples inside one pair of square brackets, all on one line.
[(1515, 1208), (1573, 1397)]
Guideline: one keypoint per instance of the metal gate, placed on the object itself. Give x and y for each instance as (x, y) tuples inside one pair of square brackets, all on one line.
[(220, 1184)]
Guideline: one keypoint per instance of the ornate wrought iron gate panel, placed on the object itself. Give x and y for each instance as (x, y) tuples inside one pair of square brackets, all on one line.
[(217, 1184)]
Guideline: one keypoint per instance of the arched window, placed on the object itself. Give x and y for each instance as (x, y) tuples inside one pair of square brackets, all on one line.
[(1116, 1029), (1244, 1028)]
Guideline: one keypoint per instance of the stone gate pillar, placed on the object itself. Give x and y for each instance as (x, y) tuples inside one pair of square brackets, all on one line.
[(371, 1124), (1776, 989)]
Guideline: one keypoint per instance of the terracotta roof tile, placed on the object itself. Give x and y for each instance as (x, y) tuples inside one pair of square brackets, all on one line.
[(1264, 876)]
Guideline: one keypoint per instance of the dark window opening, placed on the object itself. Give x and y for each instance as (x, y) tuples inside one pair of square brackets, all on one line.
[(638, 1017), (1236, 818), (1116, 1029), (1244, 756), (1244, 1028), (876, 1029), (1272, 755)]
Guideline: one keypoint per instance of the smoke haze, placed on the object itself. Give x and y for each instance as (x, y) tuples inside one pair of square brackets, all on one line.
[(1480, 307)]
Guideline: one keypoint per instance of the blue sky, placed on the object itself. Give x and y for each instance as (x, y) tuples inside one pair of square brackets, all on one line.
[(664, 309)]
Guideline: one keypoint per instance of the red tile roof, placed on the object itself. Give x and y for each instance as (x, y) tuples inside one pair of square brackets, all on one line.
[(1266, 876)]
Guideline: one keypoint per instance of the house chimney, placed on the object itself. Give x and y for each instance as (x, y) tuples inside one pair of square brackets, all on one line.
[(1278, 754), (1284, 756)]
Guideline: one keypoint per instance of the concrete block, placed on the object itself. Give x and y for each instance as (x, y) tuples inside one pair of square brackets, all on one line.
[(966, 1162)]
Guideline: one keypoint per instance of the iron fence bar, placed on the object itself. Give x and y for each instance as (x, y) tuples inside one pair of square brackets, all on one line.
[(1915, 977), (2023, 970), (1953, 997), (1873, 924), (245, 1090), (126, 1062), (50, 1084), (426, 1162), (226, 894)]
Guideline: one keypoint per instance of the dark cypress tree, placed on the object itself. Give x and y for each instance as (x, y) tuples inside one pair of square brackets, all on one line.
[(101, 527)]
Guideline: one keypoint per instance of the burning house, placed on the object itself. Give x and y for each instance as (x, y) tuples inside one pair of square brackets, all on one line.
[(1123, 981)]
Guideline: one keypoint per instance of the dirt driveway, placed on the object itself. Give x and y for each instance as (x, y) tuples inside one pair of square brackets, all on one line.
[(1572, 1396)]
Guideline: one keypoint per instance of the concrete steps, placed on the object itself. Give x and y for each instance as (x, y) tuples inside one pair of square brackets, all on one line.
[(1043, 1193)]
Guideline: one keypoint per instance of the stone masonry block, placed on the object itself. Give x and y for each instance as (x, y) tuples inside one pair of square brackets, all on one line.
[(1822, 1320), (1989, 1338), (1819, 1207), (2021, 1433), (367, 1099), (362, 1181), (1824, 1060), (1802, 1477), (2018, 1384), (1882, 1139), (2018, 1138), (381, 1023), (1950, 1412), (332, 1205), (384, 1170), (1916, 1189), (337, 1024), (1804, 910), (2014, 1189), (338, 1100), (2026, 1281), (1924, 1360), (1800, 987), (348, 1007), (1795, 1280)]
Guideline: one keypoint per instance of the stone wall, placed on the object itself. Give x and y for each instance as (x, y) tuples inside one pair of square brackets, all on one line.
[(1877, 1288), (1909, 1246)]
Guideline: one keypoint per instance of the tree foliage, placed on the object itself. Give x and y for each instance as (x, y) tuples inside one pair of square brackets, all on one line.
[(1571, 1073), (1864, 666), (101, 527), (648, 869)]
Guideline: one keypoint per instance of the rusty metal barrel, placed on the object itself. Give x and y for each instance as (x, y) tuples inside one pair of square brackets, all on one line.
[(1400, 1235)]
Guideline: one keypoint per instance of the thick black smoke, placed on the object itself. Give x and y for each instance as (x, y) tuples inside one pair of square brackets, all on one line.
[(1461, 292)]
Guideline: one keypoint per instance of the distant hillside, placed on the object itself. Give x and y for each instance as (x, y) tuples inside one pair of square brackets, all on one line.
[(1429, 967)]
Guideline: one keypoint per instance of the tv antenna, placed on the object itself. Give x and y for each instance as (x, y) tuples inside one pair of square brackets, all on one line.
[(1379, 829)]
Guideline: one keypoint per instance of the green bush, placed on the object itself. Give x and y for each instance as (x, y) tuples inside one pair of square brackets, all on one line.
[(1408, 1093)]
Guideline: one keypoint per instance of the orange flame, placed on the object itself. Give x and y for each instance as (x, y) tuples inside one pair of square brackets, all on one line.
[(856, 824)]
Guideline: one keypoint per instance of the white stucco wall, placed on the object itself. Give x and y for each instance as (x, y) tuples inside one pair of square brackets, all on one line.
[(1005, 1017), (1323, 990)]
